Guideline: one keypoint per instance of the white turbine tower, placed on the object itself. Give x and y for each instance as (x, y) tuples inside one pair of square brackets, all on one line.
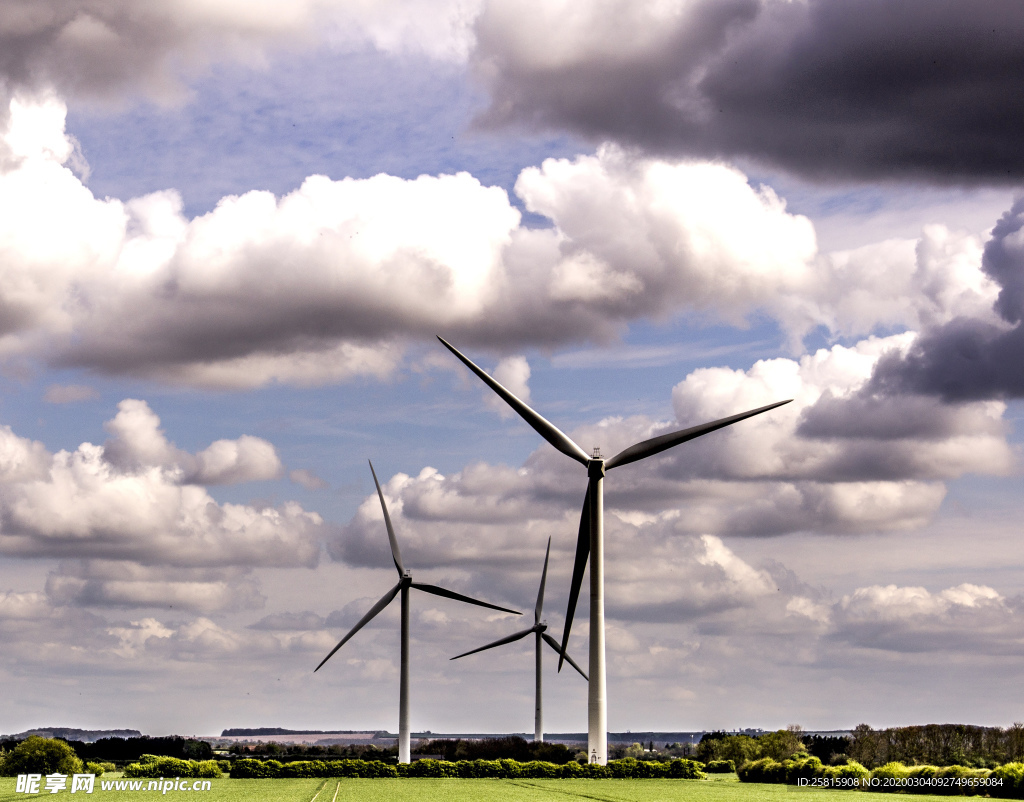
[(539, 630), (405, 583), (590, 544)]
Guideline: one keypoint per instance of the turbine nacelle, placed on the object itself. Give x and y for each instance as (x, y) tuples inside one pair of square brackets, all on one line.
[(539, 627), (405, 583)]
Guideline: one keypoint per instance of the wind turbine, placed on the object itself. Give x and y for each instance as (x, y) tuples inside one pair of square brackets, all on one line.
[(539, 630), (590, 543), (405, 583)]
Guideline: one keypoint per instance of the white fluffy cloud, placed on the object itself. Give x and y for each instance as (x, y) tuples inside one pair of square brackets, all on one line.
[(140, 499), (965, 618), (138, 441), (134, 526), (112, 48), (109, 583), (834, 460), (23, 606), (333, 280)]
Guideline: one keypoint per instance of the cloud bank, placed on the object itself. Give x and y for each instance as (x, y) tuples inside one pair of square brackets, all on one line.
[(829, 462), (822, 88), (133, 524), (110, 48), (336, 279)]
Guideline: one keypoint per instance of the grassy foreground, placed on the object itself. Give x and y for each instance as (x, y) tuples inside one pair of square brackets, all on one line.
[(720, 788)]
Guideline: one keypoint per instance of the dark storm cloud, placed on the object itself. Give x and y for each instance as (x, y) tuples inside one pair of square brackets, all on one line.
[(967, 359), (870, 417), (919, 89)]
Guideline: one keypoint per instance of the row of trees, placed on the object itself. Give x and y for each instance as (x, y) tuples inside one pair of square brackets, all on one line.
[(930, 744), (740, 749), (938, 745), (1005, 781), (126, 750), (37, 755), (512, 747), (297, 751)]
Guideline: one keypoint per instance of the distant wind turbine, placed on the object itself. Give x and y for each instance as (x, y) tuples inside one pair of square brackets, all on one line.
[(539, 630), (590, 543), (404, 584)]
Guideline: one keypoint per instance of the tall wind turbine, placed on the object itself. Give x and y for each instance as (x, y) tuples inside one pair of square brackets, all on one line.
[(590, 544), (539, 629), (404, 584)]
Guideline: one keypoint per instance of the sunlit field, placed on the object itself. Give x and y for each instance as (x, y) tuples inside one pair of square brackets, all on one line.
[(722, 788)]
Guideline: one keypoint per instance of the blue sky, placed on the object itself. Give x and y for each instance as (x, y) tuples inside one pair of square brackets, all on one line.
[(854, 559)]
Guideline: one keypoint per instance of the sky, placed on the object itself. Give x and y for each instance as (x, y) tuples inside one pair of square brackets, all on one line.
[(229, 233)]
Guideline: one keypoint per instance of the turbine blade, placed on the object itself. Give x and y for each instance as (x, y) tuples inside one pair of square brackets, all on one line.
[(451, 594), (656, 445), (554, 645), (510, 639), (396, 555), (543, 427), (384, 602), (582, 555), (540, 593)]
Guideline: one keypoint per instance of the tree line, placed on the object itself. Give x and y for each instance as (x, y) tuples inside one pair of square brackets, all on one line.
[(921, 745), (938, 745), (128, 750)]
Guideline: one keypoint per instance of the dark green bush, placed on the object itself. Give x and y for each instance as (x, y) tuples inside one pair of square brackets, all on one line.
[(539, 769), (682, 769), (571, 770), (1010, 781), (166, 767), (624, 768), (650, 769), (891, 771), (94, 768), (595, 771), (250, 769), (765, 770), (850, 775), (304, 769), (208, 769), (776, 771), (352, 767), (510, 768), (473, 769), (754, 771), (432, 768), (971, 780), (225, 765), (805, 768), (377, 769), (720, 767), (37, 755)]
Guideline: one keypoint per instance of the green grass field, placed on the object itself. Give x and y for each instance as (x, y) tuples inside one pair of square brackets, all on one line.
[(720, 788)]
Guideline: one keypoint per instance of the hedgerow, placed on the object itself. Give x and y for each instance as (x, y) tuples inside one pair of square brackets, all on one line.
[(173, 767), (1006, 781), (627, 768)]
